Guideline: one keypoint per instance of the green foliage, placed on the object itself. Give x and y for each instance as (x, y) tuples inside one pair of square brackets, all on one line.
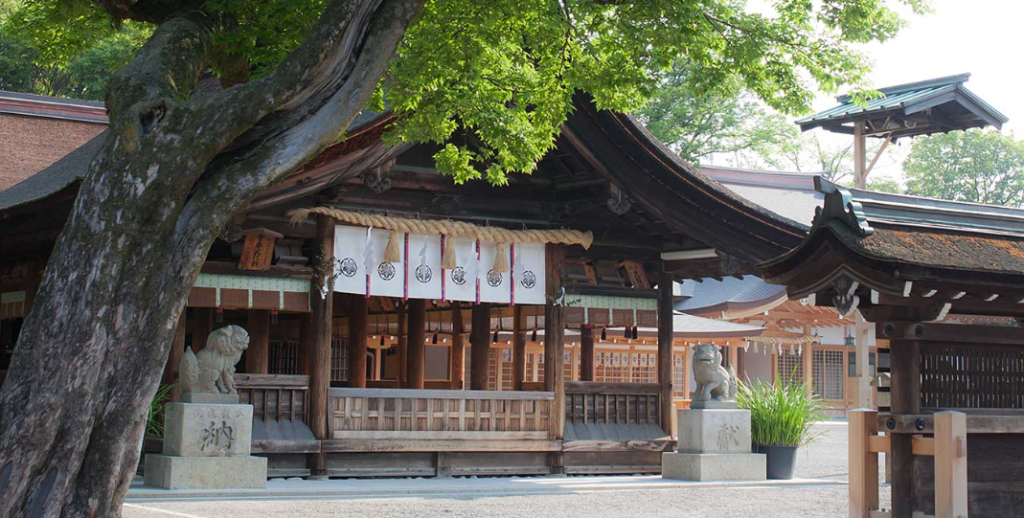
[(157, 408), (700, 123), (494, 80), (974, 166), (780, 415), (76, 60)]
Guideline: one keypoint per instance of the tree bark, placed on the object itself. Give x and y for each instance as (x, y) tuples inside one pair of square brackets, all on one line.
[(170, 174)]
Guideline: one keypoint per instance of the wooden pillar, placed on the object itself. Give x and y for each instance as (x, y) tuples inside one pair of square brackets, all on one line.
[(808, 364), (480, 341), (950, 464), (321, 302), (357, 341), (587, 353), (458, 353), (665, 337), (863, 464), (554, 339), (862, 397), (202, 326), (174, 358), (518, 349), (417, 348), (554, 351), (905, 361), (257, 356), (403, 346)]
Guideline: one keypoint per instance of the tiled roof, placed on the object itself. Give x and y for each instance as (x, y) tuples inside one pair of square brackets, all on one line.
[(729, 293), (788, 194)]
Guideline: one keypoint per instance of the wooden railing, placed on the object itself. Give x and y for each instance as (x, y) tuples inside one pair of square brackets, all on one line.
[(438, 420), (948, 447), (277, 397), (612, 403)]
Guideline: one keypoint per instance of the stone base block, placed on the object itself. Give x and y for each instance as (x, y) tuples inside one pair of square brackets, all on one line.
[(713, 431), (709, 467), (713, 404), (169, 472), (207, 430), (205, 397)]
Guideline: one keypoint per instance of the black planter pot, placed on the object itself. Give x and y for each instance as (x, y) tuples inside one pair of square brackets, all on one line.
[(781, 460)]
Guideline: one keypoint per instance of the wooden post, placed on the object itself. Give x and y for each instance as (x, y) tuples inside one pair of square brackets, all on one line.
[(458, 353), (905, 361), (808, 361), (587, 353), (950, 464), (863, 394), (357, 341), (403, 346), (174, 359), (665, 337), (321, 299), (202, 326), (554, 350), (480, 342), (518, 349), (417, 348), (257, 356), (863, 463)]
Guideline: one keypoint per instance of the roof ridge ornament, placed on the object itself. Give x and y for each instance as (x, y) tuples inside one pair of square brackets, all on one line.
[(840, 205)]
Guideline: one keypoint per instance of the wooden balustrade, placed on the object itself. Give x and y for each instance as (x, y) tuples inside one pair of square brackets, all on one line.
[(613, 403), (948, 446), (277, 397), (438, 420)]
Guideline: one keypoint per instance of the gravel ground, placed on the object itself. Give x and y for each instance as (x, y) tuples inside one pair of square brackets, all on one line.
[(825, 458)]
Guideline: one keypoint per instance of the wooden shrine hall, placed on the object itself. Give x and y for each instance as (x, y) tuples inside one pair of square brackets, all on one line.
[(399, 324), (955, 421)]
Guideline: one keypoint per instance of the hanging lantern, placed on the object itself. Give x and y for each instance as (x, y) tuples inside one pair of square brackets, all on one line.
[(604, 335), (533, 335), (636, 333), (494, 339), (626, 333), (273, 317), (220, 315), (382, 340)]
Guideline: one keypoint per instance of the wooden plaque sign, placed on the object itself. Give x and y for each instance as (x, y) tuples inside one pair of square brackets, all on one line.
[(258, 250)]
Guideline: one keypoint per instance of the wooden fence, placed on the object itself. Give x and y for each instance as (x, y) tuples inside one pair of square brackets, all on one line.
[(972, 376), (276, 397), (613, 403), (438, 420)]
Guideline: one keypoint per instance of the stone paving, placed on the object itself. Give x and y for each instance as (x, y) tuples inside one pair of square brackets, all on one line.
[(588, 497)]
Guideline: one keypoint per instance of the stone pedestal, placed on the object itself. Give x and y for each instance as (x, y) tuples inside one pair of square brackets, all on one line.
[(714, 444), (207, 446)]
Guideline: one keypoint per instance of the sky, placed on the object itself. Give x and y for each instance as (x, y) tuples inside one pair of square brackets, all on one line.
[(982, 37)]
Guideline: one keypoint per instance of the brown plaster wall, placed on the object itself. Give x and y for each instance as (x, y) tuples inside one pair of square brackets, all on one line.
[(29, 144)]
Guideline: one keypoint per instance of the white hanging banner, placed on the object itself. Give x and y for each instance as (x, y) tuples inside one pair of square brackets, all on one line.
[(424, 266), (360, 269)]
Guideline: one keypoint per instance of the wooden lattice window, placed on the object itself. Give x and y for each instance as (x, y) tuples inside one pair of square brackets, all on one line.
[(339, 359), (791, 368), (678, 390), (972, 377), (284, 356), (829, 375)]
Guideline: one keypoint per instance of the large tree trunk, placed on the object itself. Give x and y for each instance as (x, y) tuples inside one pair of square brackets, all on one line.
[(170, 175)]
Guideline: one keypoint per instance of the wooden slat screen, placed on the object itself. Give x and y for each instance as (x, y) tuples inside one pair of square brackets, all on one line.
[(612, 403), (967, 376)]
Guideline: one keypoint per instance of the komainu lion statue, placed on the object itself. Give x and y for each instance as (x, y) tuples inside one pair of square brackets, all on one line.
[(212, 371), (714, 382)]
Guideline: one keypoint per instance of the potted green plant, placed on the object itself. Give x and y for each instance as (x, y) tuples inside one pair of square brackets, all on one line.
[(781, 417)]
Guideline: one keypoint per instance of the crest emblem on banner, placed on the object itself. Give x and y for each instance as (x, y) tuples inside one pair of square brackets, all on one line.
[(529, 280), (386, 271), (493, 279), (424, 274), (347, 267), (459, 276)]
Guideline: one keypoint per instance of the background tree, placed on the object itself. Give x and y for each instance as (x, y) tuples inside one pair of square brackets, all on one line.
[(723, 119), (980, 166), (176, 165)]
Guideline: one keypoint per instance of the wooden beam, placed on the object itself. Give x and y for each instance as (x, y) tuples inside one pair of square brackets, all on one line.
[(905, 394), (321, 303), (202, 326), (665, 335), (357, 341), (518, 349), (458, 352), (257, 356), (587, 353), (417, 322), (480, 342)]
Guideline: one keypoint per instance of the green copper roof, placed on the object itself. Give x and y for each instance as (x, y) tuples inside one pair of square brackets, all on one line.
[(924, 107)]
